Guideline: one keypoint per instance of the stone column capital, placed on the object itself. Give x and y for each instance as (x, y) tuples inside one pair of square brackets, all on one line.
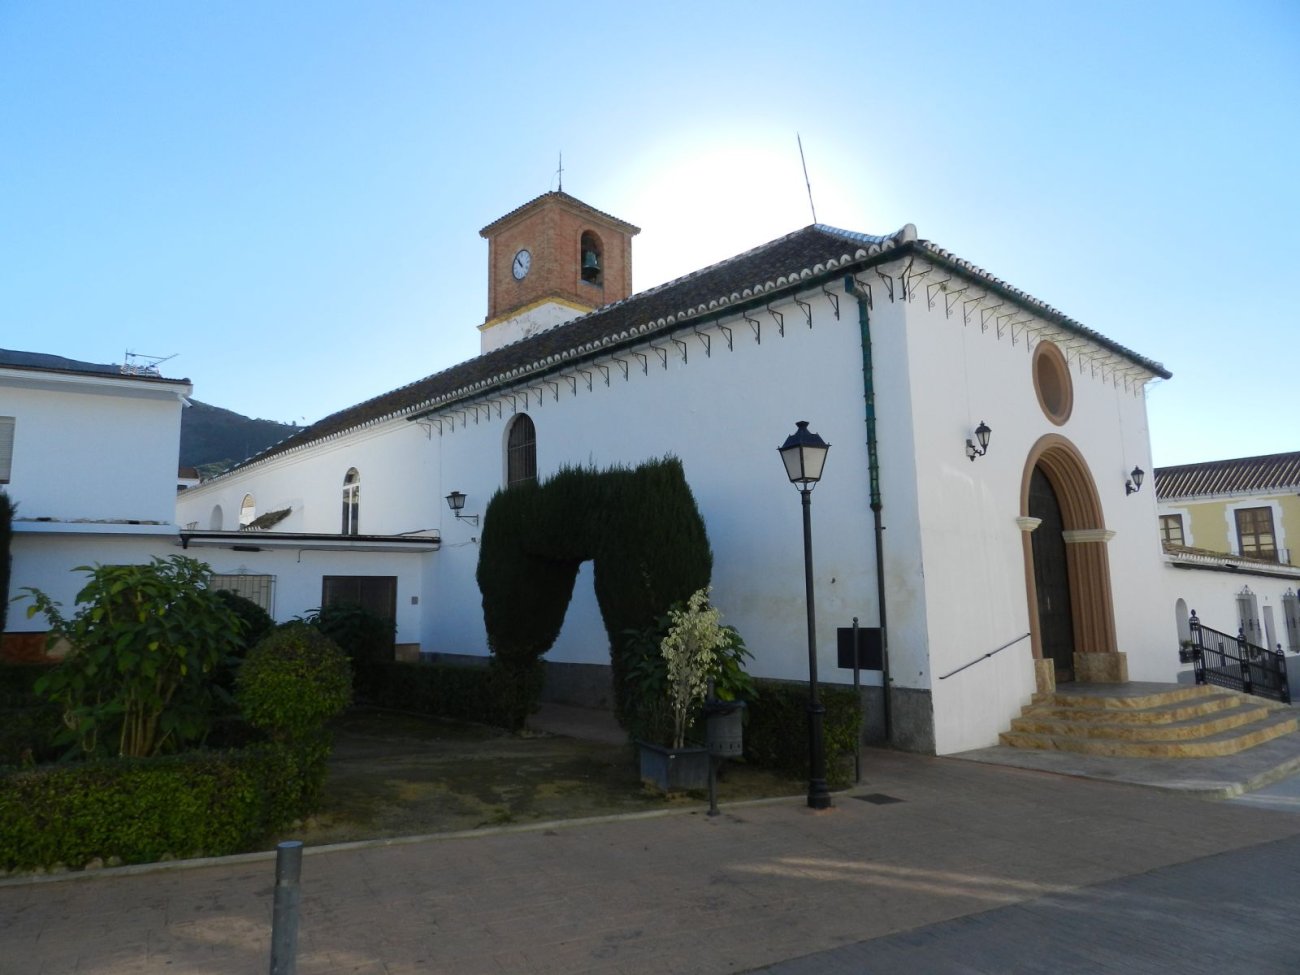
[(1087, 535)]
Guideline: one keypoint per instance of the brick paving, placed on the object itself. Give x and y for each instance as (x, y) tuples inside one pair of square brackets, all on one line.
[(761, 886)]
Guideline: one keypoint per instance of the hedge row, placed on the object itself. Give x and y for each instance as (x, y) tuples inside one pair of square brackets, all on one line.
[(458, 692), (142, 810), (776, 734)]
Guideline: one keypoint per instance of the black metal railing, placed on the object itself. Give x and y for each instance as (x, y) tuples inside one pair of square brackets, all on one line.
[(1234, 662)]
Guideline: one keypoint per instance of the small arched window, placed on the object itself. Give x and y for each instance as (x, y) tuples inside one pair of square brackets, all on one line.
[(593, 258), (247, 511), (216, 519), (351, 501), (521, 452)]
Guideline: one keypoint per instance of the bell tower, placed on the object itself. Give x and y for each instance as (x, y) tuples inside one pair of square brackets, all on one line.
[(549, 261)]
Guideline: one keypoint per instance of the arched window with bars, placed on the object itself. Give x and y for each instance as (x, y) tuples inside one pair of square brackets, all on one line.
[(521, 451)]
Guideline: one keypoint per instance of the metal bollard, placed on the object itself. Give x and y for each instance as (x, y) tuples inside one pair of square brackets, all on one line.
[(284, 915)]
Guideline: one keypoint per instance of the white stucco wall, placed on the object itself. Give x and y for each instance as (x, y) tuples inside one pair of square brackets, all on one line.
[(45, 560), (954, 562), (723, 415), (298, 577), (1212, 595), (967, 593), (93, 448)]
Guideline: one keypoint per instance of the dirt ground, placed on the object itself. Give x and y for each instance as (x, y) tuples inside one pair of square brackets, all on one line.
[(396, 774)]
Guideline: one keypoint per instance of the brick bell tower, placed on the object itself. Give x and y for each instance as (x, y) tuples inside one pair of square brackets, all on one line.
[(549, 261)]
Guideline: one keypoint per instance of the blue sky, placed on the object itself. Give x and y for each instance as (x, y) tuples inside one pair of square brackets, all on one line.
[(287, 196)]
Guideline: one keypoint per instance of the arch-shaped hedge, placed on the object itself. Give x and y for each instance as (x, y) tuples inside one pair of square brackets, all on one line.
[(641, 528)]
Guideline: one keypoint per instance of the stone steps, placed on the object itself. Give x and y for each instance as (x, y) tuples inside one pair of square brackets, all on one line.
[(1134, 721)]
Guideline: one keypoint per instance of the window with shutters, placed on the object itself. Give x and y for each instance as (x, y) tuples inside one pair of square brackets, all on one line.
[(1255, 536), (6, 447), (1171, 529), (521, 452)]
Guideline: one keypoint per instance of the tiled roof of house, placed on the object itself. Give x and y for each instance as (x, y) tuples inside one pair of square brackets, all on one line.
[(799, 259), (1243, 475), (42, 362)]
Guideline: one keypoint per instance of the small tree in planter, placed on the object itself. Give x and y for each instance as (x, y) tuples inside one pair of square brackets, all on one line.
[(693, 648)]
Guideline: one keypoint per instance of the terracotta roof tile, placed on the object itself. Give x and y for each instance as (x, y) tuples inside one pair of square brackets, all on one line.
[(814, 253), (1242, 475)]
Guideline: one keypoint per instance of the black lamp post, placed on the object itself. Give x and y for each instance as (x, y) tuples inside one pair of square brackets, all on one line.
[(804, 455)]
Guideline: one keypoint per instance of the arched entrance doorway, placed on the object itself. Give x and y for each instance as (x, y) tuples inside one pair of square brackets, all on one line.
[(1051, 577), (1067, 568)]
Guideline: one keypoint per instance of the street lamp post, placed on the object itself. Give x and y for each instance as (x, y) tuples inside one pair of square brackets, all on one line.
[(804, 455)]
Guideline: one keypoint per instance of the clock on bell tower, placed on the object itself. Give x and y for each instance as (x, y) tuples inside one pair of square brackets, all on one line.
[(549, 261)]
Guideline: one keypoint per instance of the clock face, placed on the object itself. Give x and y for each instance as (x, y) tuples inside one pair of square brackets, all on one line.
[(522, 263)]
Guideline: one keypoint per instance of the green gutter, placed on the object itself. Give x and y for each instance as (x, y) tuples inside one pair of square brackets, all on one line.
[(873, 469)]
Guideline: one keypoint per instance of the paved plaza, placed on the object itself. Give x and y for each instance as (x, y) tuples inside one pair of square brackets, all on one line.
[(931, 865)]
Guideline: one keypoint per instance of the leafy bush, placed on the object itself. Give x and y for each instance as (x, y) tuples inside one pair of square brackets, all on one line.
[(257, 623), (146, 640), (776, 735), (294, 681), (140, 810)]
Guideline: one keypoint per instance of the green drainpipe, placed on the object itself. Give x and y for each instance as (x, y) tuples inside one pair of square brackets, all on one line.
[(873, 468)]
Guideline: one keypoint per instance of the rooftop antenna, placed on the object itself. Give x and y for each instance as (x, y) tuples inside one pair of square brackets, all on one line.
[(811, 205), (559, 173), (139, 364)]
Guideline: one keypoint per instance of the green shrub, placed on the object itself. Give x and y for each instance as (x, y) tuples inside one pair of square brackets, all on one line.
[(146, 641), (776, 733), (294, 681), (257, 623), (367, 638), (641, 528), (141, 810), (460, 693), (29, 725)]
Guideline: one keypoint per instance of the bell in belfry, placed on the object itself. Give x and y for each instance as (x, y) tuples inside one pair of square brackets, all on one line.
[(590, 262)]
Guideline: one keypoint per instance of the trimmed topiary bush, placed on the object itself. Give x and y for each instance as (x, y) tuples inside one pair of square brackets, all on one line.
[(641, 528), (291, 683), (294, 681)]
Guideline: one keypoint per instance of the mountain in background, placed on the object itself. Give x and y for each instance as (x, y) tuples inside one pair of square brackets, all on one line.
[(213, 439)]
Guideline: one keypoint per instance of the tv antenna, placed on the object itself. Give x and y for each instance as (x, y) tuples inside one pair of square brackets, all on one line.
[(139, 364), (811, 205)]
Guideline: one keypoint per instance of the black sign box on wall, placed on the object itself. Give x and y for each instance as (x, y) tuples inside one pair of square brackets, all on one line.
[(870, 656)]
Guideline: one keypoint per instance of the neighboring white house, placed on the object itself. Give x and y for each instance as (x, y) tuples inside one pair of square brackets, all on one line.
[(88, 452), (892, 348), (1229, 530)]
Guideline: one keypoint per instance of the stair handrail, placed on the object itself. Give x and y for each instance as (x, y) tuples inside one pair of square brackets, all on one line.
[(1009, 643)]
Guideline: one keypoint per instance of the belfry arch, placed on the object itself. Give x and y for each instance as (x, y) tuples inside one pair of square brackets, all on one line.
[(1096, 656)]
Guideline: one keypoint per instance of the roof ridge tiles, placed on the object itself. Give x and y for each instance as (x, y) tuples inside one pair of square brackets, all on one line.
[(785, 261)]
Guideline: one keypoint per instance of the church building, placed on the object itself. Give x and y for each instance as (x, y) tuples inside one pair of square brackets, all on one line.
[(975, 507)]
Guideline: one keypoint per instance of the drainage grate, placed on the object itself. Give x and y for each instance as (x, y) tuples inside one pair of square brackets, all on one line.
[(878, 799)]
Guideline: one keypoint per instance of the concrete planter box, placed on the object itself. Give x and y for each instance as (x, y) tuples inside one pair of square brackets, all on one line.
[(672, 770)]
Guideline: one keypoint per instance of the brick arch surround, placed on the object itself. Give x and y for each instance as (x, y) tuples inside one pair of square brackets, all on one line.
[(1087, 561)]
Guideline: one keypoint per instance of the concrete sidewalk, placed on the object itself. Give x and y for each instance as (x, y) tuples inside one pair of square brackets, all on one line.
[(923, 841)]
